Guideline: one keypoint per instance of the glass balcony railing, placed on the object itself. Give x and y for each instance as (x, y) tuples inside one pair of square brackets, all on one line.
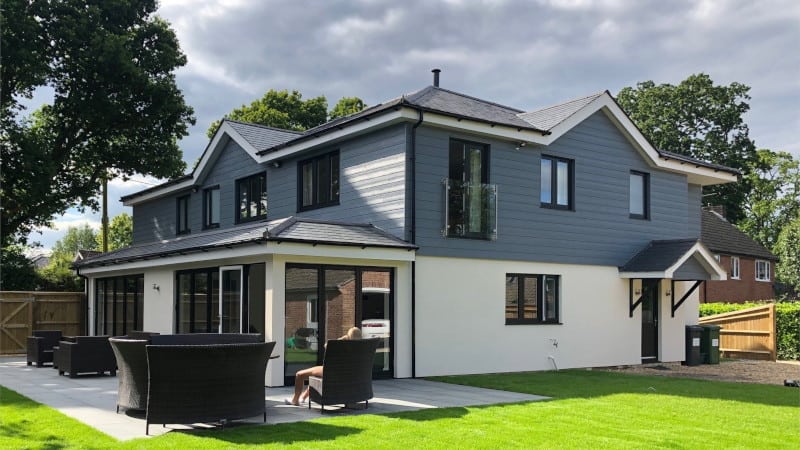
[(470, 210)]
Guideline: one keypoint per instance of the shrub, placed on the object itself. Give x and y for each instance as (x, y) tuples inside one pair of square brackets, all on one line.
[(787, 318)]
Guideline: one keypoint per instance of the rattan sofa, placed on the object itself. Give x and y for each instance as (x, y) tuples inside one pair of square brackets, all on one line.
[(347, 373), (205, 338), (206, 383), (40, 346), (85, 354)]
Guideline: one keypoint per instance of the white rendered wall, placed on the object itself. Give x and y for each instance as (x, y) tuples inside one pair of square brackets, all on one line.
[(159, 304), (671, 333), (461, 320)]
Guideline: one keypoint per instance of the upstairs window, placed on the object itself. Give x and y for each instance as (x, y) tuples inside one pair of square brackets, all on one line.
[(639, 198), (470, 202), (762, 270), (735, 267), (557, 183), (182, 219), (252, 195), (211, 207), (532, 299), (318, 181)]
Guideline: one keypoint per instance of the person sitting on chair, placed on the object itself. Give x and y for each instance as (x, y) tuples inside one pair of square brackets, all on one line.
[(300, 378)]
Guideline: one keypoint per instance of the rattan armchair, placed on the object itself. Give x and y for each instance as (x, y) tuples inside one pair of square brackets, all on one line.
[(40, 346), (347, 373)]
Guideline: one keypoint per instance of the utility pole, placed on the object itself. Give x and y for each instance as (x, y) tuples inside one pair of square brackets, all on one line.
[(105, 214)]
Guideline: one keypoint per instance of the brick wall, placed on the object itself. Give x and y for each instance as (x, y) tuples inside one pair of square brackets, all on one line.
[(741, 290)]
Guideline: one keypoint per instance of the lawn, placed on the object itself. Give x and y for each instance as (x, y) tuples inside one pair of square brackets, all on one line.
[(590, 409)]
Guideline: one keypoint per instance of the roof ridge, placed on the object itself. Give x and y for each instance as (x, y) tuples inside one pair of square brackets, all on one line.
[(477, 99)]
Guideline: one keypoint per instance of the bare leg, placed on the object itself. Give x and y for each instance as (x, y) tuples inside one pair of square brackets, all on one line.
[(299, 380)]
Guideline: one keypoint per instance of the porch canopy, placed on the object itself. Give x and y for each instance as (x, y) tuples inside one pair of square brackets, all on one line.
[(288, 230), (675, 260)]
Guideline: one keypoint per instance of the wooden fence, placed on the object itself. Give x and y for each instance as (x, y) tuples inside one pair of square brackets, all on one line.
[(23, 312), (747, 333)]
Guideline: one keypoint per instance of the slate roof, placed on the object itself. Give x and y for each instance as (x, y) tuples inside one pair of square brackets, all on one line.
[(548, 118), (261, 136), (658, 256), (720, 236), (290, 229)]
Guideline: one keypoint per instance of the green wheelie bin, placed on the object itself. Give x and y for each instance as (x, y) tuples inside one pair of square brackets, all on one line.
[(709, 344)]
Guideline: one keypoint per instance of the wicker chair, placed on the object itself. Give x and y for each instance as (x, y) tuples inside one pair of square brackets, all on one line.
[(86, 354), (206, 383), (347, 373), (131, 356), (141, 334), (40, 346), (206, 338)]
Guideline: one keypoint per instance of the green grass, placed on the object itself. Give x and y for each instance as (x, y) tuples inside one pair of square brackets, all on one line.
[(589, 409)]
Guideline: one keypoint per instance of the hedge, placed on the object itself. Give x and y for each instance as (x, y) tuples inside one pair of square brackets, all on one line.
[(787, 318)]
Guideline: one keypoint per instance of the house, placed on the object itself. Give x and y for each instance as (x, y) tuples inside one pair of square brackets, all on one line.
[(488, 238), (750, 265)]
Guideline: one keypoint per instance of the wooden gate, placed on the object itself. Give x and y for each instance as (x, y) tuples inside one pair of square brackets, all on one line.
[(747, 333), (23, 312)]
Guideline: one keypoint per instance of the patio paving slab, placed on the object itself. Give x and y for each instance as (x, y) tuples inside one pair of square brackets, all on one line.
[(92, 399)]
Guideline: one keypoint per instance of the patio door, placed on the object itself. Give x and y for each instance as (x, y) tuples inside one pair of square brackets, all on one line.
[(650, 320), (230, 299)]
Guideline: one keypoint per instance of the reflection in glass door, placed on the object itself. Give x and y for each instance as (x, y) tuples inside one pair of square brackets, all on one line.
[(230, 304), (376, 319)]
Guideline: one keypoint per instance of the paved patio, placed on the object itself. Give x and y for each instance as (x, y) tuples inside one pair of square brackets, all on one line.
[(92, 399)]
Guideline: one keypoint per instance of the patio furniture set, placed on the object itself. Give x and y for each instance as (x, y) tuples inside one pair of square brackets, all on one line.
[(199, 378)]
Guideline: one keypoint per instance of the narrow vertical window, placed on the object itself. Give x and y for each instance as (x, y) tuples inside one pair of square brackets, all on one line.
[(182, 219), (211, 207), (638, 199), (557, 183), (735, 267)]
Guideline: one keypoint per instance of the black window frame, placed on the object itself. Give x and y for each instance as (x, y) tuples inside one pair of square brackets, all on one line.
[(182, 212), (541, 279), (208, 208), (249, 180), (645, 195), (553, 203), (457, 172), (107, 324), (333, 181)]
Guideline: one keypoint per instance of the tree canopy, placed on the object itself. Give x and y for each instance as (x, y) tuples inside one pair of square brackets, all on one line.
[(787, 248), (120, 233), (115, 107), (58, 274), (774, 199), (288, 111), (699, 119)]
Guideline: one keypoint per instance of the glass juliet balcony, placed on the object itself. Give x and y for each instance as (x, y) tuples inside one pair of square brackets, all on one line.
[(470, 210)]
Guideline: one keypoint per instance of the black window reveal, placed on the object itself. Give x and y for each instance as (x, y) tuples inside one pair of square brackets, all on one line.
[(557, 183), (251, 193), (471, 203), (182, 219), (318, 181), (532, 299), (211, 207)]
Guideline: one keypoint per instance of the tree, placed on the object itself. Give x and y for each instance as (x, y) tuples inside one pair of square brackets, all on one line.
[(288, 111), (699, 119), (120, 233), (774, 198), (58, 274), (346, 106), (280, 109), (787, 248), (115, 108), (16, 270)]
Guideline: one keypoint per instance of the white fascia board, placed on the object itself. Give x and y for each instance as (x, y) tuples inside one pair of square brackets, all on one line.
[(502, 131), (696, 175), (402, 114), (656, 274), (706, 260), (250, 250), (220, 139)]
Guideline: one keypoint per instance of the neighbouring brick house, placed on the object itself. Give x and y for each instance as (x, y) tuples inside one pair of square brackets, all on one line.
[(749, 264)]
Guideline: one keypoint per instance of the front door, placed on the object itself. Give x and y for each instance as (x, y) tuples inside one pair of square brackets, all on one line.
[(230, 299), (650, 320)]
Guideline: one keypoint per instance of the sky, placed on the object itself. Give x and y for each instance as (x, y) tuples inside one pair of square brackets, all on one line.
[(526, 54)]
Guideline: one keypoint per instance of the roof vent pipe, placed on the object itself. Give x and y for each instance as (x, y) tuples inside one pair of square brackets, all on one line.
[(436, 77)]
